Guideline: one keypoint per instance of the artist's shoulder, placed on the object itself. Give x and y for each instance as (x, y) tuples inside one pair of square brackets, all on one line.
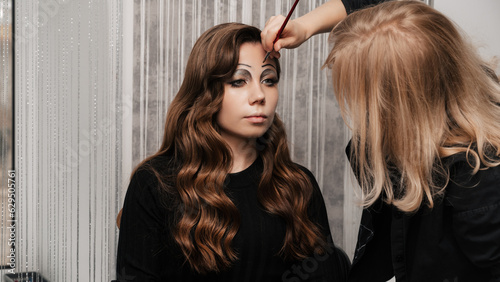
[(463, 163), (354, 5), (467, 189)]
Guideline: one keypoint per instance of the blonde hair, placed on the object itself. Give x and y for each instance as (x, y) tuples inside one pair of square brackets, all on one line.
[(413, 91)]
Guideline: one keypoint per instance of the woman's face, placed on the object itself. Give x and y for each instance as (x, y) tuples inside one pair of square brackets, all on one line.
[(250, 96)]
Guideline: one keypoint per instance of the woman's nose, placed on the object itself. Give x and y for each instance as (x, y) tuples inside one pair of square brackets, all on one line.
[(257, 95)]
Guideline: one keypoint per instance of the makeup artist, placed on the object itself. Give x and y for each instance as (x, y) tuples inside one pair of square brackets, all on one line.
[(425, 145)]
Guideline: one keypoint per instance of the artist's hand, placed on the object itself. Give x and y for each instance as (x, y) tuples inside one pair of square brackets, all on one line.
[(292, 36)]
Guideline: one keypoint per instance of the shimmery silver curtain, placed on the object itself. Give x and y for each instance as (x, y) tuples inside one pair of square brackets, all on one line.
[(93, 82), (69, 116), (164, 33)]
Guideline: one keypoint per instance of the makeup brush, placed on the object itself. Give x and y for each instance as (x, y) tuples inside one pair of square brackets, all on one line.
[(282, 27)]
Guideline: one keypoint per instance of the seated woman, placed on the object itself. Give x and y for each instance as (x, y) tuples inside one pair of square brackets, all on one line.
[(221, 200)]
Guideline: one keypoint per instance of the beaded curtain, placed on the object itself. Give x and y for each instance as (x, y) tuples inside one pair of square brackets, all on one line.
[(7, 175), (93, 82), (68, 104)]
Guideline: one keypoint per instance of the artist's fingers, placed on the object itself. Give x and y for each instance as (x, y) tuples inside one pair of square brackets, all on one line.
[(286, 39), (269, 20), (292, 36), (270, 31), (275, 54), (281, 43), (275, 23)]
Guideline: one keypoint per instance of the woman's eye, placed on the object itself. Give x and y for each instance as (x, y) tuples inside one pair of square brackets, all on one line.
[(237, 83), (270, 81)]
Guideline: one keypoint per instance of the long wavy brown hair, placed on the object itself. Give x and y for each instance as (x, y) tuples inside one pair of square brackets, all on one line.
[(207, 219), (413, 91)]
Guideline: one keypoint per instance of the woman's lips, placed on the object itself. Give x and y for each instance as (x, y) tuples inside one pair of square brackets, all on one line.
[(256, 118)]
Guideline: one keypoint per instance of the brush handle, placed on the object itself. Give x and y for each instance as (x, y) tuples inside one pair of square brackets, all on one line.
[(282, 27), (286, 21)]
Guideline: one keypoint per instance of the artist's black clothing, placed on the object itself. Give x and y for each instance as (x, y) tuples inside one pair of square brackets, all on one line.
[(148, 252), (353, 5), (457, 241)]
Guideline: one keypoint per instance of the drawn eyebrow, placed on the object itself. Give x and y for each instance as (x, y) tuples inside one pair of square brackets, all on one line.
[(269, 65)]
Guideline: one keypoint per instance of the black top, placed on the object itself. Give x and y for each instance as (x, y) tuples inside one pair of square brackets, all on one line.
[(458, 240), (353, 5), (148, 252)]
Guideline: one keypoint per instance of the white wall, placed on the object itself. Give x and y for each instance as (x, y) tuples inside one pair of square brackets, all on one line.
[(480, 20)]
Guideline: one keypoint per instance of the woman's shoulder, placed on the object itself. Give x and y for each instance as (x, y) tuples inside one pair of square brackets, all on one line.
[(153, 178), (304, 169), (308, 173), (155, 168), (317, 195)]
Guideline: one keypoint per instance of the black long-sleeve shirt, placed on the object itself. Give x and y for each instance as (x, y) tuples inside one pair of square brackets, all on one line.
[(458, 240), (148, 252)]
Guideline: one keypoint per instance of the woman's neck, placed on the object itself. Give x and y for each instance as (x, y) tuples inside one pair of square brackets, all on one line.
[(243, 153)]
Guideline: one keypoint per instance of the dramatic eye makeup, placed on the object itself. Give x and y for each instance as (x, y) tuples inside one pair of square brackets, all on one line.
[(242, 76), (269, 77)]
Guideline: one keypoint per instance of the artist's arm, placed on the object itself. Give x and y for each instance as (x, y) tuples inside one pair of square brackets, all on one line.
[(320, 20), (297, 31)]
